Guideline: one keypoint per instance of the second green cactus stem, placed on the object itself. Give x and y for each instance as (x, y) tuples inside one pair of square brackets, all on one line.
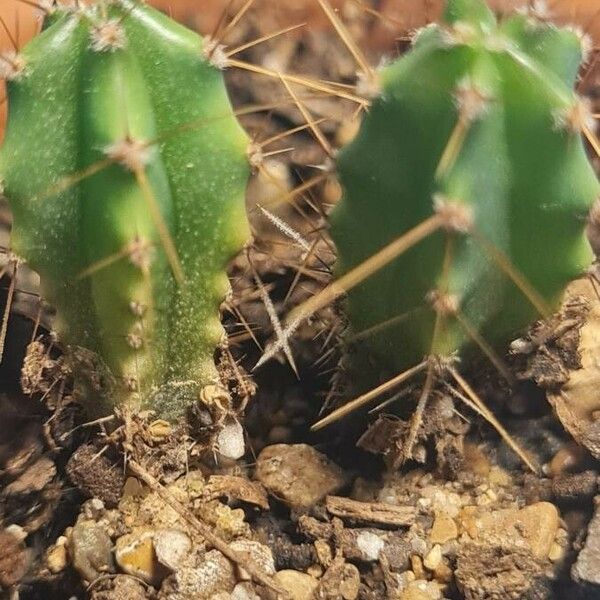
[(477, 126), (126, 170)]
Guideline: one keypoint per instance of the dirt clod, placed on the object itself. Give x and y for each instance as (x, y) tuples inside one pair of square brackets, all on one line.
[(122, 587), (577, 486), (258, 553), (495, 573), (533, 527), (95, 475), (340, 582)]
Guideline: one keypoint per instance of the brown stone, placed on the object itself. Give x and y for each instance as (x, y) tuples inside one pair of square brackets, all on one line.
[(443, 530), (298, 474), (299, 586)]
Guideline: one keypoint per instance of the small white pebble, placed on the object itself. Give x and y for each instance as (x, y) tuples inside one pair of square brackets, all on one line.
[(370, 544), (230, 441)]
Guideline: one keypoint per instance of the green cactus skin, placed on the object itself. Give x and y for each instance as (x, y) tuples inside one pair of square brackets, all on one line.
[(521, 173), (121, 141)]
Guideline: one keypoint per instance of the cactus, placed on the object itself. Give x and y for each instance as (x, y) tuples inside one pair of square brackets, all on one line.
[(125, 169), (475, 132)]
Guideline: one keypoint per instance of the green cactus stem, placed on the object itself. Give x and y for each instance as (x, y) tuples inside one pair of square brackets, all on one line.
[(126, 170), (478, 128)]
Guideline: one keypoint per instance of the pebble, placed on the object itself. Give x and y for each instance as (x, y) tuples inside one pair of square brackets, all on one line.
[(57, 556), (421, 590), (258, 553), (228, 522), (244, 591), (444, 529), (315, 571), (298, 474), (370, 545), (443, 573), (433, 558), (172, 547), (587, 567), (123, 588), (404, 580), (299, 586), (441, 500), (204, 580), (569, 457), (341, 581), (350, 582), (90, 549), (135, 554), (323, 552), (417, 566), (230, 442)]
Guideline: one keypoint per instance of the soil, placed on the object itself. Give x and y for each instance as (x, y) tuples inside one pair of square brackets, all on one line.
[(130, 507)]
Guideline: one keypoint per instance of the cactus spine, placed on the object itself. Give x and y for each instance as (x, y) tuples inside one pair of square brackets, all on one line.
[(479, 130), (126, 171)]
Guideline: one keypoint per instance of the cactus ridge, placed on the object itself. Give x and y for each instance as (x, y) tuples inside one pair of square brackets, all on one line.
[(126, 170), (478, 129)]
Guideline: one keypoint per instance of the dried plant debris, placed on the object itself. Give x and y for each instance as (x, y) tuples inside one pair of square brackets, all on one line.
[(564, 360)]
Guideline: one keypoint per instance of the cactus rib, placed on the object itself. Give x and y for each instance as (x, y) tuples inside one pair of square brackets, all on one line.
[(479, 123), (126, 170)]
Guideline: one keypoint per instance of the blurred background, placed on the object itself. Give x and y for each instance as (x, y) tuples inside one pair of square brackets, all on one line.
[(22, 20)]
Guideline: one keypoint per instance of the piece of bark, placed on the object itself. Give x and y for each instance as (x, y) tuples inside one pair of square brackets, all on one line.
[(370, 512)]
